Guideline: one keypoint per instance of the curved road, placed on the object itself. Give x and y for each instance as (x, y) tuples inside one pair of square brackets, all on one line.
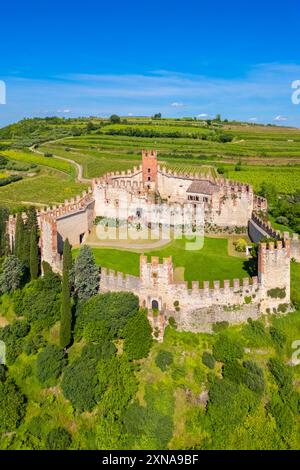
[(79, 169)]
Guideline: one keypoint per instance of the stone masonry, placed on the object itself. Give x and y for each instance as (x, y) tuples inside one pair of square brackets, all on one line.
[(224, 203)]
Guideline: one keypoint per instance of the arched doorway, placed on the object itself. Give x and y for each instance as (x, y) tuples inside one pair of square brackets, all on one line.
[(154, 305)]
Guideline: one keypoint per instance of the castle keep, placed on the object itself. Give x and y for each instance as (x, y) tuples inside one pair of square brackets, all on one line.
[(225, 205)]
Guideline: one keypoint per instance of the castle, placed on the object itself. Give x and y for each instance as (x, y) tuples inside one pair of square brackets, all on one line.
[(226, 205)]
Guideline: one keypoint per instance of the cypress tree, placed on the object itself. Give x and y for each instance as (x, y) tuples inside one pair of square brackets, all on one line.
[(66, 312), (19, 237), (34, 249), (34, 255), (3, 234)]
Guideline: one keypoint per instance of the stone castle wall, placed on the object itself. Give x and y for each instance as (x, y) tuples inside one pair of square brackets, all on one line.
[(198, 307), (259, 229), (232, 204)]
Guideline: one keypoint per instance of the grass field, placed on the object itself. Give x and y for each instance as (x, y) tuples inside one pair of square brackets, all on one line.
[(210, 263)]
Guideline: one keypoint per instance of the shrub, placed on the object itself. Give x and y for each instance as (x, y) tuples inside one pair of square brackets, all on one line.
[(208, 360), (255, 333), (254, 377), (283, 416), (282, 220), (277, 293), (58, 439), (278, 337), (233, 371), (50, 363), (226, 349), (33, 344), (240, 245), (220, 326), (281, 372), (282, 308), (172, 322), (164, 359)]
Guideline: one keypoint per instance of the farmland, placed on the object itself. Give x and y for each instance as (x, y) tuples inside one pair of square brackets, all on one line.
[(263, 153)]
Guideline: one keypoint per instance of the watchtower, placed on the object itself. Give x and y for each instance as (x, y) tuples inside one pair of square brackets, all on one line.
[(149, 168)]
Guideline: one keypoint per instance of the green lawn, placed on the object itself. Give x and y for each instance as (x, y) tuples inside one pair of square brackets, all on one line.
[(210, 263)]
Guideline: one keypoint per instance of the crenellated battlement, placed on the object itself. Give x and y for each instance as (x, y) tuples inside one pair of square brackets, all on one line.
[(267, 230)]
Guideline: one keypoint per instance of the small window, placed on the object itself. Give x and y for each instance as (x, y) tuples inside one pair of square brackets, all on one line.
[(149, 178), (149, 170)]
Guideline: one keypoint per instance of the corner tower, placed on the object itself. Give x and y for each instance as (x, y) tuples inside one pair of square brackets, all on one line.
[(274, 262), (149, 168)]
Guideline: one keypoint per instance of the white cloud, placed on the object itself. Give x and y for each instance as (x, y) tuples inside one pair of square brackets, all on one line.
[(260, 92), (280, 118), (253, 119)]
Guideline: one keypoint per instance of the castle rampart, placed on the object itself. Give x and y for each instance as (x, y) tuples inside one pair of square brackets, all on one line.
[(225, 204)]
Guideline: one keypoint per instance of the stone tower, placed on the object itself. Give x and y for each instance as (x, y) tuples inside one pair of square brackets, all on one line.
[(149, 168), (274, 270)]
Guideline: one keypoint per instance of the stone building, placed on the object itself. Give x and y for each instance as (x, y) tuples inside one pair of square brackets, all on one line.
[(225, 205)]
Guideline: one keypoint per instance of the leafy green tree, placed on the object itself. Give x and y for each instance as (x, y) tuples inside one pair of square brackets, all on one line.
[(58, 439), (12, 274), (115, 308), (79, 382), (12, 406), (40, 301), (115, 119), (49, 365), (137, 336), (117, 384), (86, 274), (66, 308), (13, 336)]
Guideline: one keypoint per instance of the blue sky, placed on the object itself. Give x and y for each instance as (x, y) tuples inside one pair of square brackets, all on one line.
[(180, 58)]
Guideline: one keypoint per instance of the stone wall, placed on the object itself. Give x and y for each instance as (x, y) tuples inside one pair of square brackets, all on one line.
[(259, 229), (198, 307)]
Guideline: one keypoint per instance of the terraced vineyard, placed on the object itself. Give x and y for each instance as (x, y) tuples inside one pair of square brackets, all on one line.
[(265, 153)]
